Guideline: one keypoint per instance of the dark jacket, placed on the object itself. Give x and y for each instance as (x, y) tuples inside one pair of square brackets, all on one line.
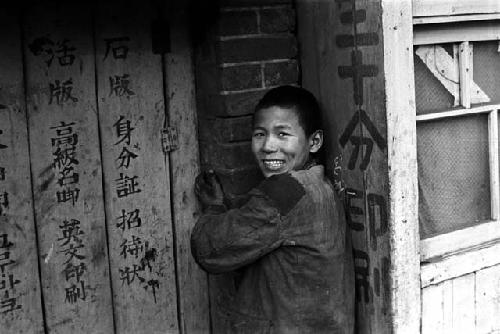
[(290, 245)]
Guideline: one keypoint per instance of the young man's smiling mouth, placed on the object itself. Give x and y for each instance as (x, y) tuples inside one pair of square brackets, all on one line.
[(273, 164)]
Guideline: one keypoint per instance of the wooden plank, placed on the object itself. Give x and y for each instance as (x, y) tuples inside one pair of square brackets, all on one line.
[(136, 173), (465, 74), (454, 7), (402, 166), (457, 112), (456, 32), (20, 298), (456, 18), (488, 300), (179, 77), (458, 241), (460, 264), (493, 161), (463, 307), (66, 168), (433, 309)]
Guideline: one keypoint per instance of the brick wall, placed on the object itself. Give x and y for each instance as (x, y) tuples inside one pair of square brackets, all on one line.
[(247, 48)]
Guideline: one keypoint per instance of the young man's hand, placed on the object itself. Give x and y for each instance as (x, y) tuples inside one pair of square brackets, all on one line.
[(208, 189)]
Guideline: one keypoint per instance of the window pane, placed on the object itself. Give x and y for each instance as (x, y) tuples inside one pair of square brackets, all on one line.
[(430, 94), (486, 71), (453, 172)]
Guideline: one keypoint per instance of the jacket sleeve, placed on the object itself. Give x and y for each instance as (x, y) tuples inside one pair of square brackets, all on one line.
[(228, 240)]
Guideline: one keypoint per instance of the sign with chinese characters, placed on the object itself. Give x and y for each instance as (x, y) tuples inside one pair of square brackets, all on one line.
[(136, 172), (65, 160), (20, 297)]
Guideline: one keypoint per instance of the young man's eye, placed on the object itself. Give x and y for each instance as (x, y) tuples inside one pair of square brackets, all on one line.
[(283, 134), (258, 134)]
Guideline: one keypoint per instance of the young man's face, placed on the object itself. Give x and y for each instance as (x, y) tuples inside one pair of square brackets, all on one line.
[(279, 143)]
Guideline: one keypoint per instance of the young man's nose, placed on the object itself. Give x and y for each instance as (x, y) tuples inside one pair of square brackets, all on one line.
[(269, 144)]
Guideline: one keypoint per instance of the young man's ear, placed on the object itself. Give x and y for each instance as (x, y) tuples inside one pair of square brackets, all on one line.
[(315, 141)]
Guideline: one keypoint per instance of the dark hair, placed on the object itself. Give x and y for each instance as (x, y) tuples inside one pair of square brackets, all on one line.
[(300, 100)]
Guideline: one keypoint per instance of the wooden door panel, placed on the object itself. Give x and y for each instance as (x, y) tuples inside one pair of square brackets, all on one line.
[(20, 299), (136, 172), (66, 167)]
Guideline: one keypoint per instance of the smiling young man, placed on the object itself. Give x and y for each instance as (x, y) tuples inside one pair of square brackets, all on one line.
[(288, 240)]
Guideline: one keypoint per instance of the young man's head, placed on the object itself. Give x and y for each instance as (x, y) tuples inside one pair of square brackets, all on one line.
[(286, 130)]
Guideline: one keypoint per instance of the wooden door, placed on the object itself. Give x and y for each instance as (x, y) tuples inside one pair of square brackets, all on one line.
[(96, 199), (457, 61)]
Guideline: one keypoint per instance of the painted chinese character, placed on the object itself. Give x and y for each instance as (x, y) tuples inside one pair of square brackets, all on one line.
[(10, 283), (64, 156), (125, 157), (64, 56), (4, 241), (8, 304), (128, 275), (44, 46), (126, 185), (65, 136), (67, 176), (73, 293), (150, 256), (5, 261), (4, 202), (70, 232), (129, 220), (1, 145), (123, 130), (2, 174), (72, 253), (133, 247), (67, 195), (74, 271), (61, 92), (117, 46), (153, 284), (118, 85)]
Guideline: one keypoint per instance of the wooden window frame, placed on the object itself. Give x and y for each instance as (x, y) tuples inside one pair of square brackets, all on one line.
[(453, 254)]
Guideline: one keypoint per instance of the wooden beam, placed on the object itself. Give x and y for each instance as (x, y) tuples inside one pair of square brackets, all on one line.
[(458, 241), (456, 18), (456, 32), (402, 166), (460, 264), (454, 7), (493, 160), (457, 112), (465, 73)]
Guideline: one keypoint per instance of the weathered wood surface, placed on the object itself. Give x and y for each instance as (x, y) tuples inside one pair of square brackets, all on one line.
[(457, 32), (66, 169), (454, 7), (346, 72), (179, 78), (404, 238), (465, 304), (136, 172), (20, 298)]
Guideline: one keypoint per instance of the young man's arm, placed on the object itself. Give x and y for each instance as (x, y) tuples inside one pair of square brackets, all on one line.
[(227, 240)]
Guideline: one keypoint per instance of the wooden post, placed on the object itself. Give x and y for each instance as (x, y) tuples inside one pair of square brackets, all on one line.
[(20, 299), (66, 168), (179, 78), (358, 59), (136, 171)]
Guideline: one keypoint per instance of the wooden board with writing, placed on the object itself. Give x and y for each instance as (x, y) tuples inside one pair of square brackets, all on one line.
[(20, 298), (192, 281), (136, 172), (66, 168)]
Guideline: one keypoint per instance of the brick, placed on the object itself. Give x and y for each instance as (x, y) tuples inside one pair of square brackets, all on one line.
[(241, 77), (236, 104), (226, 130), (257, 48), (238, 23), (277, 20), (281, 73), (226, 156)]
